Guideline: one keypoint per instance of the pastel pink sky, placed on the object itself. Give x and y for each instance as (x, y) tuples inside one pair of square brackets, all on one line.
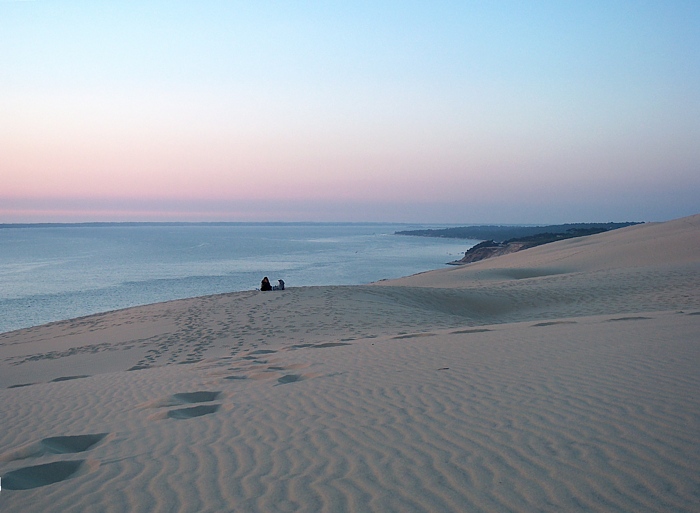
[(420, 114)]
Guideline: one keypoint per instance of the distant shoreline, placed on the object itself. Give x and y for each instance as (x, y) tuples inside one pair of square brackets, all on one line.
[(504, 233)]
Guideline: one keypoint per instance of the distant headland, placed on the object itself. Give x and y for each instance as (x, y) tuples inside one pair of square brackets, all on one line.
[(501, 240)]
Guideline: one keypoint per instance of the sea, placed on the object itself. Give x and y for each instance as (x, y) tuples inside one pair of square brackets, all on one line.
[(55, 272)]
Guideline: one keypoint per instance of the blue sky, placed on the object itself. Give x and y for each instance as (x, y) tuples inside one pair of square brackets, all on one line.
[(454, 112)]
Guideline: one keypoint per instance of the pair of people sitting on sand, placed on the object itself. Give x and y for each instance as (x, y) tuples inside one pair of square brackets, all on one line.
[(265, 284)]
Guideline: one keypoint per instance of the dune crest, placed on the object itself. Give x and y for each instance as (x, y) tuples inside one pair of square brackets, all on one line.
[(674, 243)]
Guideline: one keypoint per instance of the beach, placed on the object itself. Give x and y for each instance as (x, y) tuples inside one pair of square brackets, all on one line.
[(560, 378)]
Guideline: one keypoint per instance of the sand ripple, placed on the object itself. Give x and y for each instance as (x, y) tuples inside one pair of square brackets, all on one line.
[(573, 417)]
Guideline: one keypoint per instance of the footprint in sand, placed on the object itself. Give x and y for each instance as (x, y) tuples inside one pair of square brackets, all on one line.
[(249, 367), (471, 330), (262, 370), (294, 378), (289, 378), (551, 323), (36, 476), (330, 344), (54, 445), (40, 475), (299, 346), (71, 444), (179, 399), (197, 397), (56, 380), (68, 378)]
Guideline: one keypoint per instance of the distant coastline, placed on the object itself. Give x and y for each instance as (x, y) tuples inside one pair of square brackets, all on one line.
[(502, 240), (501, 233)]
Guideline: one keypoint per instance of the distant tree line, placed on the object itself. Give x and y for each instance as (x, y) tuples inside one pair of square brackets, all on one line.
[(505, 234)]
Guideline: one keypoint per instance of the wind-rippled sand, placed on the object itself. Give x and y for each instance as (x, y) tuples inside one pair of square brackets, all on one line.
[(562, 378)]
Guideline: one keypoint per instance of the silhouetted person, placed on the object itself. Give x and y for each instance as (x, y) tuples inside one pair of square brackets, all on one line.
[(265, 284)]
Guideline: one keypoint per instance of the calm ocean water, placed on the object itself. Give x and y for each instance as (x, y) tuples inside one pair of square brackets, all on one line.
[(55, 273)]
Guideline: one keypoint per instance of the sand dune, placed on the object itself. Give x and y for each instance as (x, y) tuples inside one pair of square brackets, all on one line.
[(655, 245), (561, 378)]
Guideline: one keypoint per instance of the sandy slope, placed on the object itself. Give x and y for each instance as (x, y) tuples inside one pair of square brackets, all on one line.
[(562, 378)]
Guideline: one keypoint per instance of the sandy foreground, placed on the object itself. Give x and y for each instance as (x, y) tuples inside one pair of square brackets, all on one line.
[(562, 378)]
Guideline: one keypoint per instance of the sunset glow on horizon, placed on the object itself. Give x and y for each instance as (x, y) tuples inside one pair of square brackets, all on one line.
[(405, 112)]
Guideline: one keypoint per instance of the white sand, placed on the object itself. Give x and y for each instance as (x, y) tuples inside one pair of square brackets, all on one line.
[(561, 378)]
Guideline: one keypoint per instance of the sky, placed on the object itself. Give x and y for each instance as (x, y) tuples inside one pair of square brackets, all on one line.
[(391, 111)]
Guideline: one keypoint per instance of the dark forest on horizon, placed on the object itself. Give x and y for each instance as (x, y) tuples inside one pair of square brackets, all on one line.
[(500, 233)]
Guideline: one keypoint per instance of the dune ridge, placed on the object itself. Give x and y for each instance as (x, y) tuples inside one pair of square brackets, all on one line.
[(560, 378)]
